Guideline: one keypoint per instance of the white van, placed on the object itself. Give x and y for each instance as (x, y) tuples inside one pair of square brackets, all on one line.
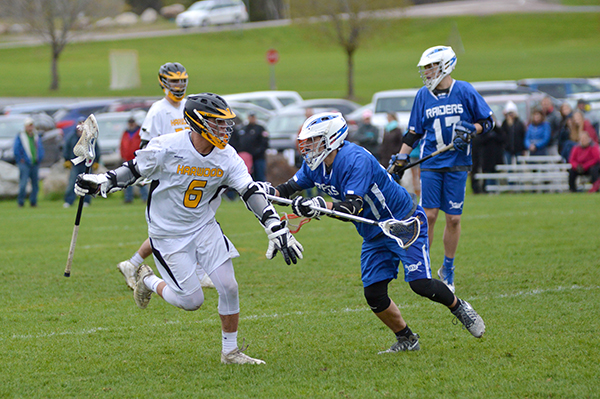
[(272, 100)]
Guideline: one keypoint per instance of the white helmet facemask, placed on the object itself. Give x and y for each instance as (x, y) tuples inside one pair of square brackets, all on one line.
[(435, 64)]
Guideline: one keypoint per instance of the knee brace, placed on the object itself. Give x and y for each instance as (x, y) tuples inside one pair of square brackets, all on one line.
[(377, 296), (434, 290)]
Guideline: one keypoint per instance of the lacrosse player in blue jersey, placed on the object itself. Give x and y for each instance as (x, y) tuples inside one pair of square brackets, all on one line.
[(445, 111), (359, 185)]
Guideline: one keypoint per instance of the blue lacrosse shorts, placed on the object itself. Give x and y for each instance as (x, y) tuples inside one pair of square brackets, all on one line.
[(444, 190), (381, 257)]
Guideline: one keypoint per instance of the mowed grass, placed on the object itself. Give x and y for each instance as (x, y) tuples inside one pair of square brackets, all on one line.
[(528, 263), (495, 47)]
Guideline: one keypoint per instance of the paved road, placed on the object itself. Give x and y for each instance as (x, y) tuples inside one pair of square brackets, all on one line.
[(466, 7)]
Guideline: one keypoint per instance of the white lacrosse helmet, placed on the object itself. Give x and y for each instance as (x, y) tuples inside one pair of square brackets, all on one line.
[(435, 64), (320, 135)]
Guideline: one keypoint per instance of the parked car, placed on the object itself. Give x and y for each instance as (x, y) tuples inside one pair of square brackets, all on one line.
[(561, 88), (132, 104), (272, 100), (213, 12), (338, 104), (243, 109), (66, 118), (111, 126), (397, 101), (525, 102), (355, 117), (499, 87), (52, 137), (48, 108), (284, 126)]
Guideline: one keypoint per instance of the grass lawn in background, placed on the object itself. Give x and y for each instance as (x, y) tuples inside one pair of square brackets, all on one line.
[(529, 264), (495, 47)]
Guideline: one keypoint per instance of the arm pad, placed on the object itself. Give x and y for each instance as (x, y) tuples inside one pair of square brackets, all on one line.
[(353, 205), (486, 124), (411, 138), (287, 189), (256, 201)]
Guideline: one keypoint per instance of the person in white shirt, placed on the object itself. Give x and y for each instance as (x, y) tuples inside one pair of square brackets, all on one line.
[(164, 117), (190, 170)]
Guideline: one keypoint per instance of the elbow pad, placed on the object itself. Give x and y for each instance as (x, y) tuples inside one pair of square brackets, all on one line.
[(486, 124), (287, 189), (411, 138), (352, 206)]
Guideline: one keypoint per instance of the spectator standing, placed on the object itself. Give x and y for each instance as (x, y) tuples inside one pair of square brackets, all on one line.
[(254, 139), (514, 133), (130, 142), (585, 160), (538, 133), (367, 135), (392, 140), (492, 152), (553, 118), (29, 152), (76, 169)]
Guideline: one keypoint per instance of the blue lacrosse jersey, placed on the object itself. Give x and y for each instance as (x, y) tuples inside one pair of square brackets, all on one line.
[(435, 117), (356, 172)]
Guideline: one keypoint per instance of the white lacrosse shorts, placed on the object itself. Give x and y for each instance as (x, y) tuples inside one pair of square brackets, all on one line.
[(179, 259)]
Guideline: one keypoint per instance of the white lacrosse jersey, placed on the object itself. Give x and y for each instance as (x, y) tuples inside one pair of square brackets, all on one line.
[(163, 118), (187, 186)]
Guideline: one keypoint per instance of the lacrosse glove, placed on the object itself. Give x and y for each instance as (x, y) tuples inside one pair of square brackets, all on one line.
[(398, 164), (267, 187), (280, 239), (303, 206), (89, 184), (464, 133)]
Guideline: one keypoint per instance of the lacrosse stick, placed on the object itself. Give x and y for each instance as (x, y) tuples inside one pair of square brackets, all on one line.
[(294, 222), (405, 232), (85, 150), (392, 167)]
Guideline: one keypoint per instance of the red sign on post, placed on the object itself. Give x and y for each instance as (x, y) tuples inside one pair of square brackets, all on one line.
[(272, 56)]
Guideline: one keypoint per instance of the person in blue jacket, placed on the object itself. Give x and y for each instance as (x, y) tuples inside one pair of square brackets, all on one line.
[(29, 152), (538, 134)]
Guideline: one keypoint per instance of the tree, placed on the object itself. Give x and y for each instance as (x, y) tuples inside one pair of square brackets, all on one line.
[(53, 20), (346, 22)]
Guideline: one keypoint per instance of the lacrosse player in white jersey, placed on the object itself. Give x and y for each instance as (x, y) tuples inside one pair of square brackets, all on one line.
[(190, 170), (164, 117), (359, 185)]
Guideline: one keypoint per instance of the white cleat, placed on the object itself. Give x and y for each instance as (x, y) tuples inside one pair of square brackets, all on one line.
[(470, 319), (236, 356), (141, 293), (128, 270), (206, 282)]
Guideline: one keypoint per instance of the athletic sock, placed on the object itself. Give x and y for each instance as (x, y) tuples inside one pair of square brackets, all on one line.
[(406, 332), (229, 341), (448, 263), (152, 282), (455, 307), (136, 260)]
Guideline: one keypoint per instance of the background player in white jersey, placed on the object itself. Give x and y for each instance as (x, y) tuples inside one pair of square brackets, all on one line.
[(358, 184), (445, 111), (164, 117), (190, 170)]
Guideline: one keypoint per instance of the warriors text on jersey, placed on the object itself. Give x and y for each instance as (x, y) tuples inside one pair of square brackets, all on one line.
[(187, 186), (163, 118), (355, 171), (435, 117)]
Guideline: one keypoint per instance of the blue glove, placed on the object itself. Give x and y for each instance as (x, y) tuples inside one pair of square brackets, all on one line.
[(464, 133), (398, 164)]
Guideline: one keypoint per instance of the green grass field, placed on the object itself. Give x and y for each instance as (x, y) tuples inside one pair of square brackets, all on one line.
[(495, 47), (528, 263)]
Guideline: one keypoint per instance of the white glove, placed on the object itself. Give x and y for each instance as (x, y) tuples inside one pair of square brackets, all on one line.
[(90, 184), (266, 187), (303, 206), (280, 239)]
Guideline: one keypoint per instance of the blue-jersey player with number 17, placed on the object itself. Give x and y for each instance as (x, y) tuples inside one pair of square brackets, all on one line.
[(445, 111), (359, 185)]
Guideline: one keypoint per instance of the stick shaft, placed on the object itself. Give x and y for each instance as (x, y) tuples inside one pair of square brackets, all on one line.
[(75, 232), (433, 154), (326, 211)]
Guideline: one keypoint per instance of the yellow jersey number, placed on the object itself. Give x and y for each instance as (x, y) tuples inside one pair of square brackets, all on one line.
[(193, 194)]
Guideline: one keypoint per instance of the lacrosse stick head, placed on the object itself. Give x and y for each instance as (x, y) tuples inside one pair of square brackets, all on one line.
[(85, 149), (294, 222), (405, 232)]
